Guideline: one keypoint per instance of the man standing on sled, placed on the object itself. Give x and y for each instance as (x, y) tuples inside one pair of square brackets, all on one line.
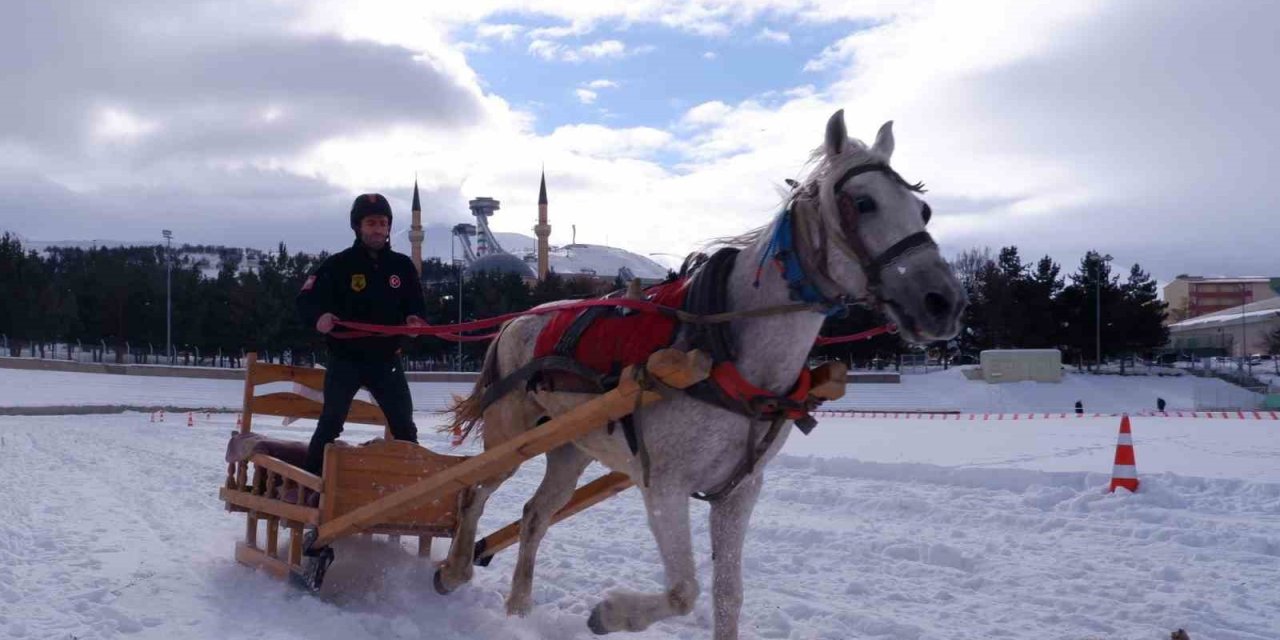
[(367, 282)]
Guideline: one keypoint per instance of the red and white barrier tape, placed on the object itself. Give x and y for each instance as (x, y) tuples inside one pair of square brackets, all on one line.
[(988, 417)]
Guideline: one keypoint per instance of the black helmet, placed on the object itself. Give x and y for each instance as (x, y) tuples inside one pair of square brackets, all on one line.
[(369, 204)]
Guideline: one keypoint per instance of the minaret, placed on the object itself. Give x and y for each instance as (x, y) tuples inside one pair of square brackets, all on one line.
[(542, 230), (415, 230)]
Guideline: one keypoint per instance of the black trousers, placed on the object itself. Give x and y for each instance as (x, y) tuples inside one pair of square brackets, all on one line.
[(344, 377)]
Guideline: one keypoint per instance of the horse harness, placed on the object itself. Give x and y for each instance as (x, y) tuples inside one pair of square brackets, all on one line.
[(702, 294)]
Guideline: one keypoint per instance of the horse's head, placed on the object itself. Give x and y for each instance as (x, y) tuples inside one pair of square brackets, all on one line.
[(876, 221)]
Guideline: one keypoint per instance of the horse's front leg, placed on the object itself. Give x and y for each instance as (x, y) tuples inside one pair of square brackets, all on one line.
[(729, 519), (626, 611)]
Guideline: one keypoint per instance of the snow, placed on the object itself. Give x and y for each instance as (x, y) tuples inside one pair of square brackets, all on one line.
[(939, 391), (110, 527)]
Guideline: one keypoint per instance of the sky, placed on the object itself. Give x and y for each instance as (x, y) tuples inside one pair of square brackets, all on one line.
[(1142, 129)]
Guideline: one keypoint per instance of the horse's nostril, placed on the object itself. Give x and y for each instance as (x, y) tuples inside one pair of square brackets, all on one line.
[(936, 305)]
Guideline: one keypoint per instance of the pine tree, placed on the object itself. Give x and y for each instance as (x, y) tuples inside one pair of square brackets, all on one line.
[(1093, 287), (1143, 313)]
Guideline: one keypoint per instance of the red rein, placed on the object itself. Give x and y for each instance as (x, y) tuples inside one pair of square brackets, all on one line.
[(454, 332)]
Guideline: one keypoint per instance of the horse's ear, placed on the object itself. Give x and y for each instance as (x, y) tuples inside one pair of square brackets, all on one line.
[(836, 134), (884, 140)]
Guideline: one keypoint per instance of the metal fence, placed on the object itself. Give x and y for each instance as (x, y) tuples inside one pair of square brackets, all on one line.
[(101, 352)]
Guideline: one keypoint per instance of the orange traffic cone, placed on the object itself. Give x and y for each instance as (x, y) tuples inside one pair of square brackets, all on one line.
[(191, 419), (1125, 472)]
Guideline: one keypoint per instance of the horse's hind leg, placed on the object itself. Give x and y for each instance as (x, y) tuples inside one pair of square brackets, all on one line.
[(564, 466), (457, 569), (669, 521), (504, 419)]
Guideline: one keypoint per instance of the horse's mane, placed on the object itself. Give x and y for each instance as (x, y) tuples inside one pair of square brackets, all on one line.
[(814, 170)]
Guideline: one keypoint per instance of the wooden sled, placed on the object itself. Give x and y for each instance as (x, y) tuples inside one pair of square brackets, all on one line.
[(280, 495)]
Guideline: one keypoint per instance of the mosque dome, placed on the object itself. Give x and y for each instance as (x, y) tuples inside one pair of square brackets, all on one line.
[(501, 263)]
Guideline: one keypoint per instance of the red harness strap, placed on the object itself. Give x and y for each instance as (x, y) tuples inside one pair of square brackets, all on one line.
[(731, 382), (614, 341)]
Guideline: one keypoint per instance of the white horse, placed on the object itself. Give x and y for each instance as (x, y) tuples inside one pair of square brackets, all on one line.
[(858, 233)]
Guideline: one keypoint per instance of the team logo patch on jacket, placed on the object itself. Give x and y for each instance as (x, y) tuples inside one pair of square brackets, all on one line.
[(358, 282), (395, 282)]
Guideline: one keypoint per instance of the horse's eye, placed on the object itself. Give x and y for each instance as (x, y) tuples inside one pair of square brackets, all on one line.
[(926, 213), (864, 204)]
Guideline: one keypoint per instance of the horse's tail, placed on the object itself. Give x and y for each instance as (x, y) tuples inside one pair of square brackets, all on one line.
[(468, 412)]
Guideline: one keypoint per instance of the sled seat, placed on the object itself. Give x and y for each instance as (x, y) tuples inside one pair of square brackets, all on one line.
[(265, 479)]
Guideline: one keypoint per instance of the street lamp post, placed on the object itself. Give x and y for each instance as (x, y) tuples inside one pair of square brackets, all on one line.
[(1244, 341), (454, 261), (1097, 298), (168, 294)]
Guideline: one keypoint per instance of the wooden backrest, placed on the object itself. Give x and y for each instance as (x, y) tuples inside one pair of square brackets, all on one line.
[(293, 405), (356, 476)]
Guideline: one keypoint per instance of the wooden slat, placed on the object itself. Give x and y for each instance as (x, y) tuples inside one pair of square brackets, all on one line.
[(293, 512), (253, 557), (284, 469), (674, 368), (424, 546), (368, 473), (295, 545), (587, 495), (273, 537), (292, 405), (265, 373)]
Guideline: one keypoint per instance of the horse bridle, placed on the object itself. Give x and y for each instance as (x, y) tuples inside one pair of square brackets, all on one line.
[(815, 262)]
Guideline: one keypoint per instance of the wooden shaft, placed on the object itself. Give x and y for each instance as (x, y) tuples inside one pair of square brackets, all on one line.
[(828, 381), (670, 366), (587, 495), (424, 546)]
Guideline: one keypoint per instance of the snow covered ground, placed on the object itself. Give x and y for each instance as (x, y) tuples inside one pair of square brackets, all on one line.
[(870, 528)]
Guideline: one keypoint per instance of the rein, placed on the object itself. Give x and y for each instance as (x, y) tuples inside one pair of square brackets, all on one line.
[(804, 270), (453, 332)]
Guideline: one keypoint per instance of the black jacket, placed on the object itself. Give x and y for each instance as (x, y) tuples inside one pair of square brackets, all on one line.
[(357, 286)]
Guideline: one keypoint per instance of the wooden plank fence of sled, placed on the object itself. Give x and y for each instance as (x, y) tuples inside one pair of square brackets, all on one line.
[(588, 495), (672, 367)]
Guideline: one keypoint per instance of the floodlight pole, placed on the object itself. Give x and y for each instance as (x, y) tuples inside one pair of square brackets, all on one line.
[(168, 293)]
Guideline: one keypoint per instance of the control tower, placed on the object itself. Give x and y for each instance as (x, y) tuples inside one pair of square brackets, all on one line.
[(483, 208)]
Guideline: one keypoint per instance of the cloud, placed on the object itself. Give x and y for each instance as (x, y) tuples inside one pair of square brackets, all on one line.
[(1135, 128), (586, 96), (602, 142), (504, 32), (769, 35), (602, 84), (550, 50), (709, 55)]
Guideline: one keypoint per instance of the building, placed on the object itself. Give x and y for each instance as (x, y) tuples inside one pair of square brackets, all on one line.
[(1242, 330), (1194, 296), (416, 233), (598, 264)]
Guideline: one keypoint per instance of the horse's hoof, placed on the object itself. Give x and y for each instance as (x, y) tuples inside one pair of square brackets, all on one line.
[(595, 624), (438, 582)]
